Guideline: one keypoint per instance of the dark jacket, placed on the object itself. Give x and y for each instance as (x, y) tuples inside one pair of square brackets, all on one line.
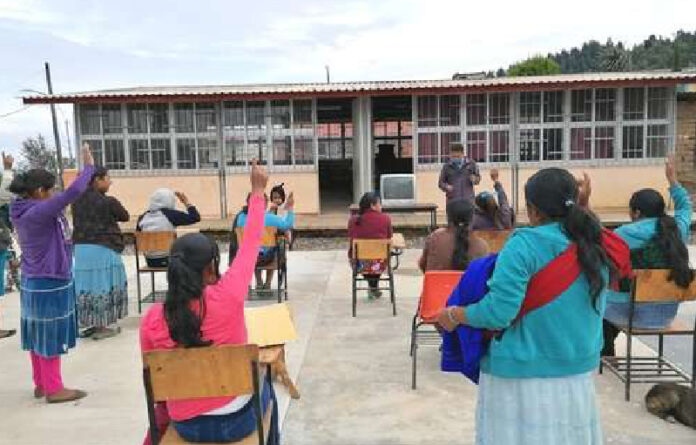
[(95, 220), (504, 216), (460, 179)]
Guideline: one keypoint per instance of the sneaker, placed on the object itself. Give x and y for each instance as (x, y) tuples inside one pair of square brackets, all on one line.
[(66, 395), (7, 333), (374, 293), (86, 333), (101, 334)]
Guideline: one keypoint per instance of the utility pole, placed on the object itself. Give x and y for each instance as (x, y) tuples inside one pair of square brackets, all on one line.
[(56, 135), (328, 74), (67, 135)]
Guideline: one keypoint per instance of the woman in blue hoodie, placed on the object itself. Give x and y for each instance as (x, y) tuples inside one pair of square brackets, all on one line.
[(657, 241), (536, 382)]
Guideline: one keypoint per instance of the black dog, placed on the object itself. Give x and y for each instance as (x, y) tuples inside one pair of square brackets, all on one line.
[(670, 399)]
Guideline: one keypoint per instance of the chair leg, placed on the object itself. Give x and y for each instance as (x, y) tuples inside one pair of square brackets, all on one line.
[(413, 334), (629, 341), (280, 279), (355, 295), (140, 301), (152, 280), (601, 365), (660, 350), (414, 366), (285, 281), (392, 293)]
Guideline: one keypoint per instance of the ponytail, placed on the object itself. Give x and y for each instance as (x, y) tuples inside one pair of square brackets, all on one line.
[(460, 213), (669, 242)]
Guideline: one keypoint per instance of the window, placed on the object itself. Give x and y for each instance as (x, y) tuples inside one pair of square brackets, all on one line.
[(234, 149), (161, 153), (159, 118), (499, 110), (95, 146), (206, 118), (449, 111), (233, 115), (304, 150), (111, 118), (90, 119), (137, 118), (553, 106), (658, 141), (658, 99), (256, 115), (257, 148), (580, 143), (604, 143), (634, 105), (280, 114), (529, 145), (446, 141), (427, 111), (499, 146), (427, 148), (553, 144), (186, 153), (632, 142), (281, 150), (114, 154), (302, 114), (208, 155), (581, 105), (475, 109), (335, 140), (530, 108), (605, 104), (476, 145), (139, 154), (183, 118)]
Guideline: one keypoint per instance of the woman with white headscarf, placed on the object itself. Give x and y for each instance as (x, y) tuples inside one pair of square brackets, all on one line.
[(162, 216)]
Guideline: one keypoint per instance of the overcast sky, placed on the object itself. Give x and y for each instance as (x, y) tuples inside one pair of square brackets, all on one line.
[(95, 45)]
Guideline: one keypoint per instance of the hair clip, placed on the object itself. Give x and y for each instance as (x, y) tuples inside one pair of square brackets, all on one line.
[(569, 203)]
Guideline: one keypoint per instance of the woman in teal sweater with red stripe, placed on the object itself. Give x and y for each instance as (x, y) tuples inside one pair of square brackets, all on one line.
[(536, 382)]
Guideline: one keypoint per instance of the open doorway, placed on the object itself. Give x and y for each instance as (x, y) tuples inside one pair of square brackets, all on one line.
[(392, 136), (335, 135)]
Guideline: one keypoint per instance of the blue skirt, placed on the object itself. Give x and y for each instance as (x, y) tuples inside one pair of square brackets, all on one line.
[(48, 320), (100, 285)]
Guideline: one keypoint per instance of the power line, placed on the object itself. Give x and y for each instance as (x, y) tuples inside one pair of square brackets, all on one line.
[(14, 112)]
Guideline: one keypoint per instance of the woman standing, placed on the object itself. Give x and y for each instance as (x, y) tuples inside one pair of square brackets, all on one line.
[(536, 382), (100, 278), (48, 319), (5, 231)]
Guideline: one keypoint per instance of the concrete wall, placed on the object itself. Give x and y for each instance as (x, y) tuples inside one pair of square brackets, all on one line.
[(686, 141)]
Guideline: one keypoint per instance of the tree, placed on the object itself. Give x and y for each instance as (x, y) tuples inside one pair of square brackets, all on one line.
[(535, 66), (614, 58), (37, 155)]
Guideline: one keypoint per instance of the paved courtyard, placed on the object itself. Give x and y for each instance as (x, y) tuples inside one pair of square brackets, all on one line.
[(353, 375)]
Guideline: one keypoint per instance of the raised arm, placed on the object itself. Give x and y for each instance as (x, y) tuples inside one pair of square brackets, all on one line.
[(683, 207), (503, 205)]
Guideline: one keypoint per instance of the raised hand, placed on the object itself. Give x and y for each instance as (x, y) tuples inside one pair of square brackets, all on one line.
[(258, 177), (87, 158), (7, 161), (584, 190), (290, 202), (494, 175), (182, 198), (670, 170)]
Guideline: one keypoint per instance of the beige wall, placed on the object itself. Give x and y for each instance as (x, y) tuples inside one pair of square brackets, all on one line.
[(305, 185), (612, 187), (686, 142)]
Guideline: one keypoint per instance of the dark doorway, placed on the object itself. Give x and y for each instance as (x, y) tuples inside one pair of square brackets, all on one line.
[(335, 134)]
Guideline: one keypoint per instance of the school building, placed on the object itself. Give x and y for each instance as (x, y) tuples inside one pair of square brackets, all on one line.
[(323, 140)]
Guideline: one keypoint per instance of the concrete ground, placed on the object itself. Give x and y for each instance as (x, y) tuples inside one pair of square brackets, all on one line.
[(353, 375)]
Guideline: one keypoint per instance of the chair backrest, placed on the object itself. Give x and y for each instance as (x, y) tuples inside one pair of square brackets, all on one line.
[(371, 249), (494, 238), (269, 237), (437, 288), (653, 285), (212, 371), (154, 241)]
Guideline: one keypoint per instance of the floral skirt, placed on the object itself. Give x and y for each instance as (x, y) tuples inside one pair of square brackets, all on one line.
[(100, 285)]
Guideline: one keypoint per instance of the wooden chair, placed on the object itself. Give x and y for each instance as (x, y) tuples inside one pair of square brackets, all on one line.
[(494, 238), (271, 239), (370, 250), (213, 371), (149, 242), (397, 249), (437, 288), (653, 286)]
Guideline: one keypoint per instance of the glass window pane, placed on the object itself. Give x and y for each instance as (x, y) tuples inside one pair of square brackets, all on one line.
[(159, 118), (183, 118), (302, 114), (208, 154), (499, 112), (137, 118), (97, 153), (281, 150), (427, 148), (553, 144), (530, 107), (161, 154), (186, 153), (206, 118), (499, 146), (553, 106), (658, 141), (90, 120), (111, 118), (581, 105), (633, 103), (114, 154), (658, 99), (605, 104), (580, 143), (427, 111), (280, 114), (476, 145), (449, 111), (529, 145), (139, 154), (446, 140), (233, 115), (234, 149), (476, 109), (304, 150), (604, 143), (632, 142), (256, 114)]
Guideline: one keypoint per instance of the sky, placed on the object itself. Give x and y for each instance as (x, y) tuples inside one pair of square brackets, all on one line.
[(108, 44)]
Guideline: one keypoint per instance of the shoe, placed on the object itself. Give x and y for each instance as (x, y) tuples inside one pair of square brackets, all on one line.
[(66, 395), (7, 333), (38, 393), (106, 333), (86, 333), (373, 294)]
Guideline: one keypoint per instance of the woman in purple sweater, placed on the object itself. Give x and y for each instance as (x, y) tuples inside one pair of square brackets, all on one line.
[(48, 319)]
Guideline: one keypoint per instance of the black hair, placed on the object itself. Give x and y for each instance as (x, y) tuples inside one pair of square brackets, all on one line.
[(554, 193), (189, 257), (99, 173), (651, 204), (26, 183), (366, 202), (280, 190), (459, 213)]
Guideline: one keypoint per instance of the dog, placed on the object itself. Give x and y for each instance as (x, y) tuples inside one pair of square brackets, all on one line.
[(669, 399)]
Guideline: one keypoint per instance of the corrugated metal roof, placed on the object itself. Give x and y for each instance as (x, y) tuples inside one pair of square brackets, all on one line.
[(372, 87)]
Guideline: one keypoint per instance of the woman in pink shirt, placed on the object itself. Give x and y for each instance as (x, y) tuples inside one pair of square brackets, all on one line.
[(204, 308)]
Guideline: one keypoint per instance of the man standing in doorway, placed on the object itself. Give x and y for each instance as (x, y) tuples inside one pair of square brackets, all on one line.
[(459, 175)]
